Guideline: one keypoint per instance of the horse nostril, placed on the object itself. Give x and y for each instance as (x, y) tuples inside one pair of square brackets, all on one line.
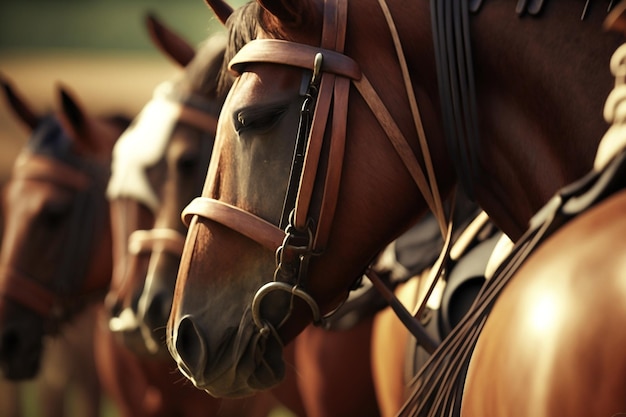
[(191, 346), (9, 344)]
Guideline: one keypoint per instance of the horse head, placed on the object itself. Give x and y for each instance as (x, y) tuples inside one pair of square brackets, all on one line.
[(301, 170), (56, 246), (148, 190), (336, 136)]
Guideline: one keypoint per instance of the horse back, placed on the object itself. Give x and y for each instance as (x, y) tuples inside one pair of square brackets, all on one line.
[(558, 327)]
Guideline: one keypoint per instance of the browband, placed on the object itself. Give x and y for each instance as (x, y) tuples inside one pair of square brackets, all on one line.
[(277, 51)]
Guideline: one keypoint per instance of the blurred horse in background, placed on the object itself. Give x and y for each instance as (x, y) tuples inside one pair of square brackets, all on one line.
[(173, 132), (54, 261)]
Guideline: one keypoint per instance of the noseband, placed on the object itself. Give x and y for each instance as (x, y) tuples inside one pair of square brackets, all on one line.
[(300, 236)]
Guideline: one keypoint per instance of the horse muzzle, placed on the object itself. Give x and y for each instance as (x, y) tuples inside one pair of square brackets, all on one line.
[(21, 350), (241, 363)]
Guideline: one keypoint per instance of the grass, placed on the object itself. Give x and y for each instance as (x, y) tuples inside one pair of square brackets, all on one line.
[(31, 406)]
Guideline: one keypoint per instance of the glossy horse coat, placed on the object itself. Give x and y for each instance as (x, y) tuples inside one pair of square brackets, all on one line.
[(540, 84)]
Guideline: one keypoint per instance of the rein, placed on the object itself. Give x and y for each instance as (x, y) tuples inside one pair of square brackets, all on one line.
[(50, 303), (305, 236)]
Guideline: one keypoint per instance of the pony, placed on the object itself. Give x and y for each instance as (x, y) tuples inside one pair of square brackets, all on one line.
[(163, 184), (336, 136), (53, 272)]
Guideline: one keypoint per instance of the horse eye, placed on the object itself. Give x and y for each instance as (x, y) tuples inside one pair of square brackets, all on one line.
[(257, 121)]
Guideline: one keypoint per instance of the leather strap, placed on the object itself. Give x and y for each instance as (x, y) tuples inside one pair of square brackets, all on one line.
[(277, 51), (199, 119), (455, 74), (27, 291), (35, 167), (431, 194), (239, 220), (146, 241)]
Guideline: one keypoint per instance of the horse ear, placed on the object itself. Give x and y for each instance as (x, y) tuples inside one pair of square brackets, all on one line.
[(169, 42), (289, 12), (221, 9), (75, 120), (20, 106)]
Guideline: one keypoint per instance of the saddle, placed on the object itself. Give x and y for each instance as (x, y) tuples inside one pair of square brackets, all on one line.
[(440, 381)]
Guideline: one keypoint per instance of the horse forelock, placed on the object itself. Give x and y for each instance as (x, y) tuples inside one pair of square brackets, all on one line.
[(248, 21), (242, 27), (201, 76)]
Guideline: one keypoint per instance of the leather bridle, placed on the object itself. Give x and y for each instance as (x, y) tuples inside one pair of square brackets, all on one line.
[(199, 113), (57, 304), (305, 236)]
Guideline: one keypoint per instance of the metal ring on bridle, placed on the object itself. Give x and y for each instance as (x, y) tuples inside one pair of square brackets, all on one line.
[(282, 286)]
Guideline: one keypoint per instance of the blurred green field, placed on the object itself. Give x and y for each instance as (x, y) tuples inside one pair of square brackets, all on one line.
[(31, 407), (97, 24)]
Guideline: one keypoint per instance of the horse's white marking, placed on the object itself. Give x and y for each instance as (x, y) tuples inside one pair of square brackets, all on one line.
[(141, 146)]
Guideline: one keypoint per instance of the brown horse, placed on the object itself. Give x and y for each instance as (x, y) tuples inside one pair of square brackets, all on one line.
[(166, 182), (53, 271), (143, 381), (522, 108)]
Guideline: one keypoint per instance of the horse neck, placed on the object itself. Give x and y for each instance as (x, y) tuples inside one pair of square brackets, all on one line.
[(541, 83)]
